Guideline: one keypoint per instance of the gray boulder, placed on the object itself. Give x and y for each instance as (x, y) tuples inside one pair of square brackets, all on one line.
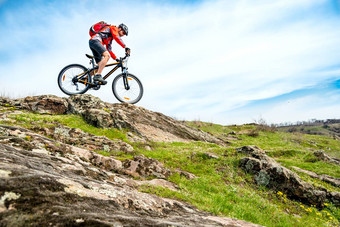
[(267, 172)]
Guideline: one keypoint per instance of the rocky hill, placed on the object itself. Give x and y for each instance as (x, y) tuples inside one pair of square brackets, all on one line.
[(52, 174), (45, 181)]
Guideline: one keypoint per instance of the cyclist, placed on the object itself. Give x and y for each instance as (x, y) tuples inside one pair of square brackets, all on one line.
[(102, 54)]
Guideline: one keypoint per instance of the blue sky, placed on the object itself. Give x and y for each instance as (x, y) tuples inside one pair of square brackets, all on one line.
[(227, 62)]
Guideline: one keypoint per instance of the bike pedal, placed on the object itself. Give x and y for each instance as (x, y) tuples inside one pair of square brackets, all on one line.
[(96, 87), (99, 83)]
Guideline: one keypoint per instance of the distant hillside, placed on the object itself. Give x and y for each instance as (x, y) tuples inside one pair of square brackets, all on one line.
[(330, 127)]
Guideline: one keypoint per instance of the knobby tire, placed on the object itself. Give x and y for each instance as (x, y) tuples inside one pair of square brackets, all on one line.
[(133, 95), (66, 75)]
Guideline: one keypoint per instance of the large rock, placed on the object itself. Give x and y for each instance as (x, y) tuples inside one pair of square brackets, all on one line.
[(250, 149), (144, 123), (49, 183), (156, 126), (43, 104), (271, 174), (85, 140), (324, 157), (146, 167), (328, 179), (81, 103), (98, 118)]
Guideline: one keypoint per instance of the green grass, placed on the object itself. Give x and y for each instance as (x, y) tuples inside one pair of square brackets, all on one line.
[(221, 187), (29, 120), (288, 148), (318, 167)]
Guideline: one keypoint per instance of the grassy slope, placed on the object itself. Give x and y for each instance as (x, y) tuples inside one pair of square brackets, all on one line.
[(221, 187)]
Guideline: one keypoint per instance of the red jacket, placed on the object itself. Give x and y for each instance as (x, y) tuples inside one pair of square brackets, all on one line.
[(106, 36)]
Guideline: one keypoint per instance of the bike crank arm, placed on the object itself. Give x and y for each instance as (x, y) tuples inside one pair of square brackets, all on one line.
[(86, 82)]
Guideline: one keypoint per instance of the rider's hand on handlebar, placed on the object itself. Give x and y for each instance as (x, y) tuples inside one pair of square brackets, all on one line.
[(117, 60), (127, 50)]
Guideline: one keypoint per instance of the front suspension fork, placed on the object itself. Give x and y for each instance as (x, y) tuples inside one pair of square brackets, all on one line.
[(125, 79)]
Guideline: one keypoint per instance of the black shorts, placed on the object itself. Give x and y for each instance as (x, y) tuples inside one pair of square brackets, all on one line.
[(97, 49)]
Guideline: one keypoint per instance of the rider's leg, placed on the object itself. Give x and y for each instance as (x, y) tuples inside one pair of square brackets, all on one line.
[(101, 56), (101, 65), (103, 62)]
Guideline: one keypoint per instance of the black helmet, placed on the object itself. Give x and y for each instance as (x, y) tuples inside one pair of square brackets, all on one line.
[(124, 28)]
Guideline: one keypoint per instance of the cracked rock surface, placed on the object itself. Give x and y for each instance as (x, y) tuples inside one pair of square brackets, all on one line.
[(146, 124), (48, 183), (267, 172)]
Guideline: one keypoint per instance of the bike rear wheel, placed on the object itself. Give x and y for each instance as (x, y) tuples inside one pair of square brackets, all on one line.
[(74, 79), (131, 95)]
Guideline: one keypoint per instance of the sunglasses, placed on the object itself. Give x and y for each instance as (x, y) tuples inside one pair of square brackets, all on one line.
[(123, 31)]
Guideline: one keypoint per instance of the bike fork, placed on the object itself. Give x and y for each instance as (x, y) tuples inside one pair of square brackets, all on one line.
[(126, 81)]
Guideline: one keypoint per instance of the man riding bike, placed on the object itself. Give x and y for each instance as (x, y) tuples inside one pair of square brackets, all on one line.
[(102, 54)]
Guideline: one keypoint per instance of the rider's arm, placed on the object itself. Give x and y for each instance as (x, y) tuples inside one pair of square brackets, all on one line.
[(109, 48), (113, 56), (115, 36)]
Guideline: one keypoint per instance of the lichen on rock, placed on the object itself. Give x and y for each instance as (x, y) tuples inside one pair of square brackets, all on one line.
[(267, 172)]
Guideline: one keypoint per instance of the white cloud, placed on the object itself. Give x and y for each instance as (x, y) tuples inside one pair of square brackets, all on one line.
[(195, 61), (305, 108)]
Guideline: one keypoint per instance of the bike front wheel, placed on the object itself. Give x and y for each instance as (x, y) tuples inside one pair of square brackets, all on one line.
[(74, 79), (131, 92)]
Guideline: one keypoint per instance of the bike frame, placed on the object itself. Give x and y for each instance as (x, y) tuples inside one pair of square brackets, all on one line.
[(117, 64)]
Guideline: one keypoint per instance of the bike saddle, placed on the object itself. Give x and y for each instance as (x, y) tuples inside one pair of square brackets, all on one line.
[(89, 56)]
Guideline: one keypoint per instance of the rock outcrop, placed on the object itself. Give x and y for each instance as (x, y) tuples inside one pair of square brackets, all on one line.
[(146, 167), (321, 155), (267, 172), (82, 139), (146, 124), (44, 182), (328, 179)]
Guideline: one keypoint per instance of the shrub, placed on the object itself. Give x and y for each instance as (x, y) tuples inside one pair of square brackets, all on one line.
[(253, 133), (262, 125)]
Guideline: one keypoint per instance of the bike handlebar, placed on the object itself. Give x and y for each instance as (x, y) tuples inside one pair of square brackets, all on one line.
[(126, 56)]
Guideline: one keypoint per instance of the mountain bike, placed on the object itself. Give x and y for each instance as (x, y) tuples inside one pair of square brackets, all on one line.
[(77, 79)]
